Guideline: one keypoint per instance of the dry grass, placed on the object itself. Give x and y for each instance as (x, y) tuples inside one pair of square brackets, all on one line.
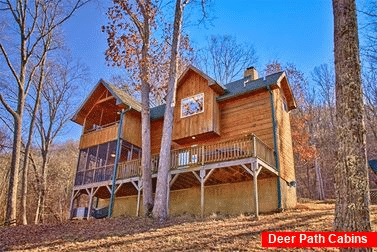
[(187, 233)]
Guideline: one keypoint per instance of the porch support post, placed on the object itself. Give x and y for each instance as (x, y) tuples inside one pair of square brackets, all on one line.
[(202, 181), (256, 203), (168, 194), (138, 199), (255, 169), (90, 202), (139, 187), (117, 156), (73, 196)]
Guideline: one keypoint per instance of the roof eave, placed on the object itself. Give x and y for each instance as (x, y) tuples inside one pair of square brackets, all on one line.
[(292, 104), (217, 87), (75, 115)]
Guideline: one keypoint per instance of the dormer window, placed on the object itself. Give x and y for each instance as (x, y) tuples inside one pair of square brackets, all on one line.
[(192, 105)]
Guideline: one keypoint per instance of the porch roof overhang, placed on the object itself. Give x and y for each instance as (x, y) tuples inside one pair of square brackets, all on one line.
[(123, 100)]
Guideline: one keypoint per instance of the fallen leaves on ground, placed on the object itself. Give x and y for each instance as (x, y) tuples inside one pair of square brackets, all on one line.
[(240, 233)]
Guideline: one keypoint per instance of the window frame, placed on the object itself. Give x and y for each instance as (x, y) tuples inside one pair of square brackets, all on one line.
[(190, 97)]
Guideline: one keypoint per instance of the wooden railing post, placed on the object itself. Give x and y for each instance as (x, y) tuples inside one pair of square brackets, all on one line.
[(203, 155)]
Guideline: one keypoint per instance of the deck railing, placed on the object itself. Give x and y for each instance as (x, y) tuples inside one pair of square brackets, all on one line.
[(100, 174), (186, 157)]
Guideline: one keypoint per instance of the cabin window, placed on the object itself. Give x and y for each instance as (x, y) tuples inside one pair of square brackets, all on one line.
[(186, 158), (183, 158), (192, 105)]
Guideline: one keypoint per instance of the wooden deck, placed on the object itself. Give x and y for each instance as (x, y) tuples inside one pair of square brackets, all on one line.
[(199, 165), (205, 156)]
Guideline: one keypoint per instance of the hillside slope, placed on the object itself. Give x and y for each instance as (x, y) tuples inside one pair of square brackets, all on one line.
[(240, 233)]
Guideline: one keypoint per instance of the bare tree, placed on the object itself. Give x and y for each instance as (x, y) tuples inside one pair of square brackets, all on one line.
[(129, 39), (61, 82), (160, 210), (38, 83), (352, 185), (225, 58), (33, 21)]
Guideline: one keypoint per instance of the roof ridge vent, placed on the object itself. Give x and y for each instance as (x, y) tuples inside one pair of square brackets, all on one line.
[(246, 81)]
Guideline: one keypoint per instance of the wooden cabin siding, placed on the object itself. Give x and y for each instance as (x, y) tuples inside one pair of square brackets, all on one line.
[(156, 135), (287, 171), (247, 114), (132, 128), (205, 122), (99, 136)]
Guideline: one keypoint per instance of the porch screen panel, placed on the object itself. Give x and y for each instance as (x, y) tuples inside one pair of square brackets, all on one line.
[(91, 163), (82, 159), (111, 155), (102, 155)]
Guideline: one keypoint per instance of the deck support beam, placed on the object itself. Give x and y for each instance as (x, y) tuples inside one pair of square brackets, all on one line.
[(90, 202), (139, 187), (202, 179), (202, 175), (73, 197), (138, 200), (256, 202), (168, 194), (255, 169)]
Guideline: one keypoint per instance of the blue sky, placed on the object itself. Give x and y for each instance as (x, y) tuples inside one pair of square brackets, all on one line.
[(296, 31)]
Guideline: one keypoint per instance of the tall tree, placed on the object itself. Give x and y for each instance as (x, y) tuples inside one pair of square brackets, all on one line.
[(38, 83), (129, 40), (60, 84), (27, 18), (352, 185), (160, 210), (226, 59)]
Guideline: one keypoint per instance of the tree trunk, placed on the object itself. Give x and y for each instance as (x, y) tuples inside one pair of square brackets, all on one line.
[(351, 176), (160, 210), (11, 210), (319, 180), (24, 178), (145, 117), (42, 188), (146, 151)]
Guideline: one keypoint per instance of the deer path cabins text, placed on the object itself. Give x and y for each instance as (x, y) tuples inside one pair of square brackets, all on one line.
[(231, 151)]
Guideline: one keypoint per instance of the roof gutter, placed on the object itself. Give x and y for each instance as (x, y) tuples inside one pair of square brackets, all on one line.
[(276, 152), (117, 156)]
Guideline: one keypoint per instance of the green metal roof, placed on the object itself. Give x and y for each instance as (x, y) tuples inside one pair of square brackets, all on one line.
[(158, 112), (122, 96), (373, 165)]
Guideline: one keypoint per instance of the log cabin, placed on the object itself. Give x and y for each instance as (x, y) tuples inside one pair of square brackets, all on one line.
[(231, 151)]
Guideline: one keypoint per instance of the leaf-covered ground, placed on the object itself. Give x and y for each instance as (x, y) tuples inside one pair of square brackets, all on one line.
[(240, 233)]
